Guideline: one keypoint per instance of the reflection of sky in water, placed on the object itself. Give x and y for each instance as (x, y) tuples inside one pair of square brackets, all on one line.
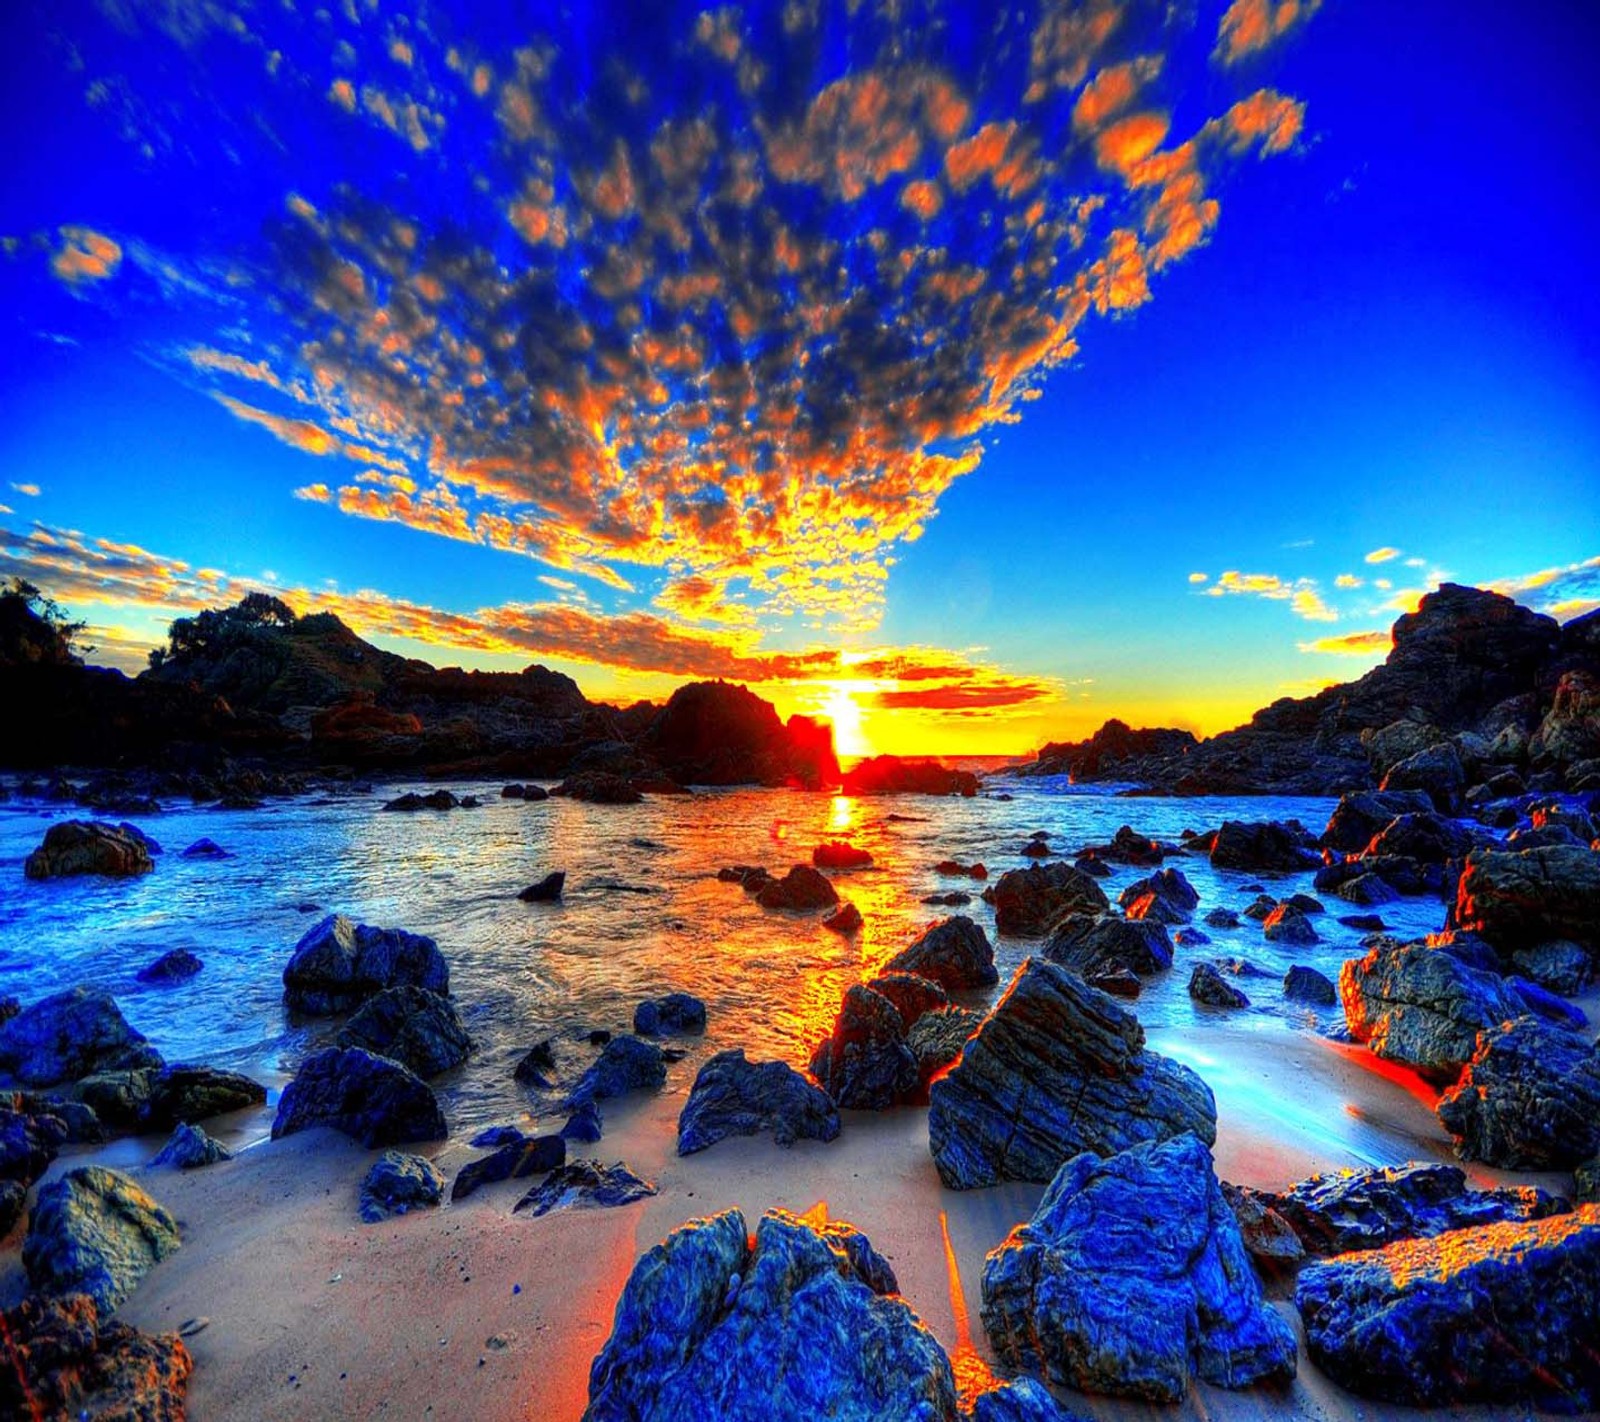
[(772, 981)]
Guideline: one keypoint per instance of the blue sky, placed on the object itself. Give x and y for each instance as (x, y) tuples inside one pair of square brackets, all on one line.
[(806, 352)]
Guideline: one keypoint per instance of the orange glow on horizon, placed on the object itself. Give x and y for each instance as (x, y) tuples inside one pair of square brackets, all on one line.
[(844, 713)]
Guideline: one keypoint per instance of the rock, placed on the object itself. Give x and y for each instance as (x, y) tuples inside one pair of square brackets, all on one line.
[(1131, 1278), (1036, 849), (1387, 746), (339, 964), (802, 890), (1570, 731), (1191, 938), (371, 1099), (1222, 918), (1545, 837), (677, 1012), (1528, 1100), (1095, 947), (412, 801), (185, 1094), (206, 849), (1056, 1068), (625, 1064), (1268, 1237), (66, 1361), (889, 775), (954, 866), (1425, 837), (188, 1149), (399, 1183), (735, 1097), (840, 854), (1167, 885), (1363, 922), (1119, 982), (547, 890), (1436, 771), (69, 1035), (176, 966), (1548, 1005), (1422, 1007), (865, 1064), (1030, 901), (1303, 984), (954, 899), (1305, 903), (1559, 966), (1523, 900), (93, 1231), (954, 953), (533, 1155), (787, 1324), (1362, 814), (1256, 848), (585, 1185), (28, 1143), (936, 1039), (583, 1125), (712, 733), (410, 1025), (1208, 986), (599, 787), (1020, 1400), (1368, 890), (1349, 1210), (537, 1065), (1260, 908), (1286, 924), (88, 847), (1499, 1313), (845, 919), (911, 994)]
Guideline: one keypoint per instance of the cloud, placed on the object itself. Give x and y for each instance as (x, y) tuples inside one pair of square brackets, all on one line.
[(1250, 26), (31, 490), (1347, 580), (1383, 555), (1302, 594), (305, 435), (1308, 603), (1199, 577), (1352, 644), (85, 256), (1565, 591)]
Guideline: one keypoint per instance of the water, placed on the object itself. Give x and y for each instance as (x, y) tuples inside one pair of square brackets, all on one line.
[(643, 913)]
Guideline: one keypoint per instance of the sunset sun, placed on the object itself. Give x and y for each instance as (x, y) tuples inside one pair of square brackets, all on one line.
[(843, 711)]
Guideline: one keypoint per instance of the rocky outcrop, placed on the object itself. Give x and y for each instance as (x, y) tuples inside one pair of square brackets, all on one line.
[(88, 847), (625, 1064), (397, 1184), (93, 1231), (732, 1096), (955, 953), (1094, 946), (415, 1027), (714, 733), (70, 1035), (865, 1064), (338, 964), (677, 1013), (889, 775), (793, 1322), (1056, 1068), (1114, 752), (1520, 900), (1130, 1278), (802, 890), (1258, 848), (1500, 1313), (1029, 902), (371, 1099), (585, 1185)]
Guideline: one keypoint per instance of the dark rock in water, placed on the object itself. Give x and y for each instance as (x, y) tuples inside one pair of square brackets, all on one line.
[(1425, 837), (936, 1038), (1422, 1007), (189, 1148), (1095, 868), (1030, 901), (371, 1099), (1169, 885), (840, 854), (1222, 918), (1257, 847), (339, 964), (954, 899), (206, 849), (1523, 900), (1558, 966), (1286, 924), (676, 1012), (1500, 1313), (585, 1185), (911, 994), (625, 1064), (493, 1137), (1097, 946), (844, 919), (535, 1155), (397, 1184), (1056, 1068), (791, 1323), (955, 866), (1548, 1005), (415, 1027), (735, 1097), (181, 1093), (584, 1124), (1528, 1100), (1119, 982), (1208, 986), (889, 775), (1261, 907), (88, 847), (750, 877), (1268, 1237), (71, 1035), (1155, 908), (437, 800), (176, 966), (1363, 813), (1036, 849), (537, 1066), (1365, 1209), (547, 890), (954, 952), (1131, 1278), (1363, 922), (1368, 890), (67, 1361), (1436, 771), (28, 1143), (1191, 938), (599, 787), (1303, 984), (802, 890), (1305, 903), (93, 1231), (865, 1065)]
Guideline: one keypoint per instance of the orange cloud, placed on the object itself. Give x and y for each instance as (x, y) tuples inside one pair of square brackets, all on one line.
[(1352, 644), (1383, 555), (1250, 26), (85, 256)]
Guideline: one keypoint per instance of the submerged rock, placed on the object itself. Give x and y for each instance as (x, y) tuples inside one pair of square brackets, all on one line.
[(955, 953), (625, 1064), (69, 1035), (93, 1231), (399, 1183), (1499, 1313), (735, 1097), (410, 1025), (88, 847), (865, 1064), (802, 890), (1303, 984), (177, 966), (585, 1185), (677, 1012), (371, 1099), (189, 1148), (1030, 901), (547, 890), (1208, 986), (1130, 1278), (1056, 1068), (206, 849), (339, 964)]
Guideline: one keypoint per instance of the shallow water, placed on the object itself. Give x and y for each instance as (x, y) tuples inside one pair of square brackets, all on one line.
[(643, 913)]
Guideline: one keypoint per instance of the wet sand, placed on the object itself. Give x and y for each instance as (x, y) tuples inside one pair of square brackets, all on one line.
[(471, 1312)]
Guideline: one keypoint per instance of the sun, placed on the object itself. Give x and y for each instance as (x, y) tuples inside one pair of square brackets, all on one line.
[(841, 709)]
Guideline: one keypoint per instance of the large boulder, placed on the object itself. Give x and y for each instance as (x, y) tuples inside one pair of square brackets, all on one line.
[(1030, 901), (955, 953), (89, 847), (732, 1096), (339, 964), (69, 1035), (1422, 1006), (1363, 813), (1520, 900), (714, 733), (1426, 837), (397, 1184), (1095, 946), (865, 1064), (1570, 731), (1500, 1313), (1055, 1069), (1131, 1278), (93, 1231), (790, 1324), (1436, 771), (1259, 848), (802, 890), (625, 1064), (28, 1143), (415, 1027), (371, 1099), (1528, 1100)]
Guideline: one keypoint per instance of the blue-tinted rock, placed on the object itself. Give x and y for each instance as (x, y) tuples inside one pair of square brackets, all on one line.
[(865, 1064), (1303, 984), (735, 1097), (625, 1064), (93, 1231), (584, 1124), (1222, 918), (1558, 966), (188, 1148), (206, 849), (585, 1185), (177, 966), (28, 1143), (677, 1012), (70, 1035), (534, 1155), (1545, 1004), (1020, 1400), (339, 964), (954, 952), (410, 1025), (1095, 946), (1208, 986), (493, 1137), (399, 1183), (371, 1099)]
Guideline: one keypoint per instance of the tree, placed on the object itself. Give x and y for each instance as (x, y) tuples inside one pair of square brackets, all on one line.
[(34, 627)]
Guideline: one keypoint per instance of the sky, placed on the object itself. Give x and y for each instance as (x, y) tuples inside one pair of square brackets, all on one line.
[(968, 374)]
